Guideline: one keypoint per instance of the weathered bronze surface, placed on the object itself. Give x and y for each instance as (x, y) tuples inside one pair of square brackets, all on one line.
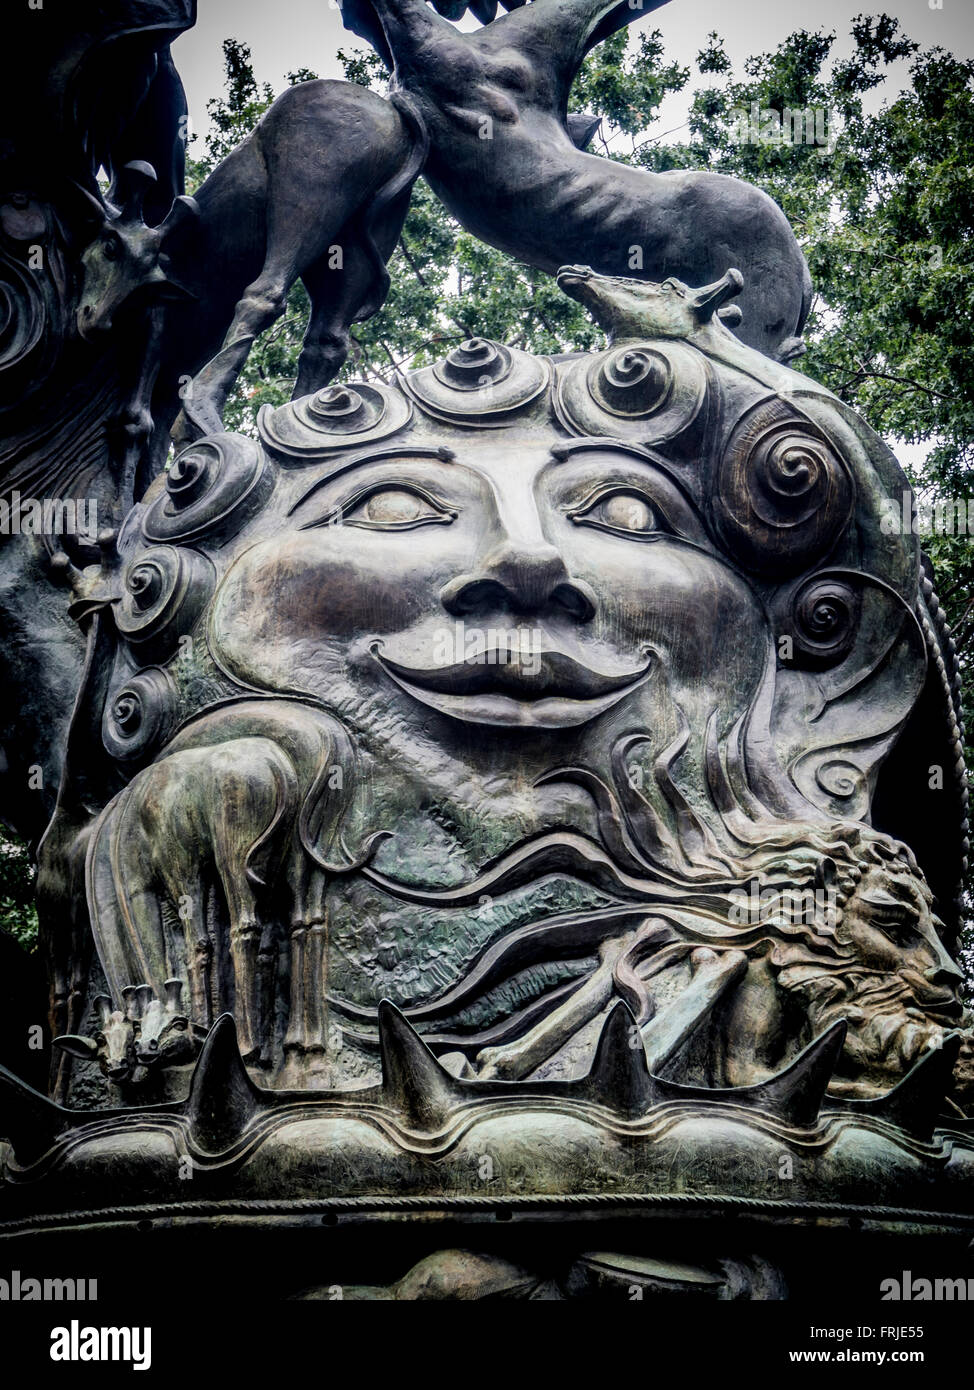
[(507, 158), (518, 762)]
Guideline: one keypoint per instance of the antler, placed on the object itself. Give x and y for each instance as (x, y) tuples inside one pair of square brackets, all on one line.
[(133, 185), (104, 1008), (135, 180), (183, 211), (709, 300), (174, 996), (94, 205)]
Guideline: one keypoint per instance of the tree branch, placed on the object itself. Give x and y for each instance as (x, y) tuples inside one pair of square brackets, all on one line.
[(864, 374)]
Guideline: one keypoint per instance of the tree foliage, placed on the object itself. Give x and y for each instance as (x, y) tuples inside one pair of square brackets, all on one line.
[(18, 915)]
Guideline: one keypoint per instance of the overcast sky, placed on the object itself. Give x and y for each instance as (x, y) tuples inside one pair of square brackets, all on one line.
[(288, 34)]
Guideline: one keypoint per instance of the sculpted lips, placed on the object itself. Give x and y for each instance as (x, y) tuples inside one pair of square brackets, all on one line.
[(546, 689), (940, 1004)]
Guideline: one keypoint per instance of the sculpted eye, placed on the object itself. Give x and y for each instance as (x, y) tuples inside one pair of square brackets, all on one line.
[(396, 509), (623, 513), (893, 917), (111, 248)]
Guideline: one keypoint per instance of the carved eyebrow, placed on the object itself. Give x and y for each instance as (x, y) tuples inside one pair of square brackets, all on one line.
[(439, 451), (564, 450), (628, 449)]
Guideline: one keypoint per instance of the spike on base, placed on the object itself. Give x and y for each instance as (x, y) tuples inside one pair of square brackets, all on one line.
[(619, 1076), (412, 1079), (794, 1095), (222, 1098), (917, 1101), (28, 1120)]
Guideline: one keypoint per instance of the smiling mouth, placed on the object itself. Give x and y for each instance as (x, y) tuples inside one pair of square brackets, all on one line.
[(541, 690)]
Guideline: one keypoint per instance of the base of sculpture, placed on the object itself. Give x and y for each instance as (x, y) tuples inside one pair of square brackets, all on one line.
[(677, 1189)]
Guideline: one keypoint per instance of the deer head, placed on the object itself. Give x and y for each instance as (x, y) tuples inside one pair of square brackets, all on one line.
[(112, 1047), (149, 1035), (633, 310), (165, 1035), (127, 257)]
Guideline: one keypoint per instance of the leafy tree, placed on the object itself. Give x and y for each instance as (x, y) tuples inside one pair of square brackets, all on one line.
[(18, 915)]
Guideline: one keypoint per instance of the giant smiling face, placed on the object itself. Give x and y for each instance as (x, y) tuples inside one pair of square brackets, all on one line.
[(507, 580)]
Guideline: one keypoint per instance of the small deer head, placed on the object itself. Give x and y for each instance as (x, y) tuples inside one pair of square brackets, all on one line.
[(149, 1035), (634, 310), (112, 1046), (127, 257), (165, 1035)]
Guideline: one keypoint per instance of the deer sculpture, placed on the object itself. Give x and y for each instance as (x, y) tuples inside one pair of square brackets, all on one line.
[(318, 191), (504, 157), (247, 800), (133, 1045)]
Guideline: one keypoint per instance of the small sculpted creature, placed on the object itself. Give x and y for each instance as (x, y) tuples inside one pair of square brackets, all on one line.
[(317, 192)]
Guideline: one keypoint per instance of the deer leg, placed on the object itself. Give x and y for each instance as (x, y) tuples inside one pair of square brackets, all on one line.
[(309, 944), (77, 982), (337, 290), (316, 955), (67, 1014), (245, 938), (57, 1019), (266, 978), (244, 948), (294, 1038), (189, 899), (323, 351), (261, 304), (339, 265), (134, 426), (307, 1020), (200, 969)]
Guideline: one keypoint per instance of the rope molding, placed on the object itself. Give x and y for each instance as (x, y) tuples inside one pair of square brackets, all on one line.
[(465, 1203)]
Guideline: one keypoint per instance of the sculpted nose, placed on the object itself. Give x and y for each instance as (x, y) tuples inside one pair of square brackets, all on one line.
[(522, 578), (944, 973)]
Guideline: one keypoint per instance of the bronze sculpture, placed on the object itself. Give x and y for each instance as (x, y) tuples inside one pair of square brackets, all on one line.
[(509, 162), (271, 212), (502, 763)]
